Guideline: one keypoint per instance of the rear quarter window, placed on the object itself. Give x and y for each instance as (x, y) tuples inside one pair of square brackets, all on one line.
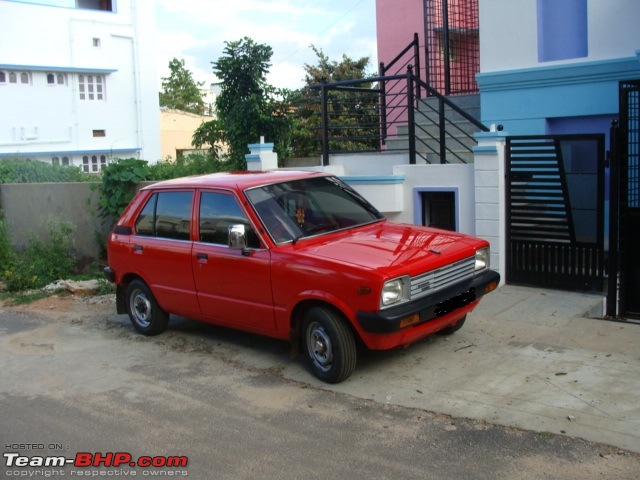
[(166, 215)]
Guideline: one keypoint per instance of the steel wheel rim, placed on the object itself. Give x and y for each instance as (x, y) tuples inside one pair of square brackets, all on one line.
[(141, 308), (319, 346)]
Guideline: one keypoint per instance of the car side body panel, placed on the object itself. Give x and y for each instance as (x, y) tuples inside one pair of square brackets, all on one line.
[(262, 289)]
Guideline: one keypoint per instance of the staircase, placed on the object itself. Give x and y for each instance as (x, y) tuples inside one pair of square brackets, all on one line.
[(459, 132)]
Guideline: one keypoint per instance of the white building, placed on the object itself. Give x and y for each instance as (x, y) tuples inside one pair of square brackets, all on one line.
[(78, 83)]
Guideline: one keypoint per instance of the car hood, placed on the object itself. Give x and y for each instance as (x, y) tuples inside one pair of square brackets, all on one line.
[(393, 249)]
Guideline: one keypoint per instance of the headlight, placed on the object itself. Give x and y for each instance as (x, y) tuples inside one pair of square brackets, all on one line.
[(482, 259), (393, 291)]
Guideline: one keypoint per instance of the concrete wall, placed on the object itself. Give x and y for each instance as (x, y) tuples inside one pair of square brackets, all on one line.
[(42, 120), (27, 207), (509, 34), (534, 97), (176, 131)]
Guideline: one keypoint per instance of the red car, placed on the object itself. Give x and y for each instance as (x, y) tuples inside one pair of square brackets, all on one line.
[(293, 255)]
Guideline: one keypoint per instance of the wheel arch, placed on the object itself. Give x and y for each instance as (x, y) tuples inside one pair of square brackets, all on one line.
[(297, 318), (121, 289)]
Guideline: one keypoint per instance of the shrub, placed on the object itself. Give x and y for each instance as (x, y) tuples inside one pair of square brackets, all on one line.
[(42, 262), (29, 171), (6, 252), (119, 180), (194, 164)]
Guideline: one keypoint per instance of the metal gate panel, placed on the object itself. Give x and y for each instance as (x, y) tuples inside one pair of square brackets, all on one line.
[(629, 184), (555, 211)]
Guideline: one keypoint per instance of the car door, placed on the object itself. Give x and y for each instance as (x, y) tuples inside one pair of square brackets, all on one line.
[(161, 250), (234, 286)]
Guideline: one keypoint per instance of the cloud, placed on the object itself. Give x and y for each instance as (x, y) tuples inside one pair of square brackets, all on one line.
[(197, 29)]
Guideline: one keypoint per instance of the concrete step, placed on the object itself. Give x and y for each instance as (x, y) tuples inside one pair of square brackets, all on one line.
[(459, 131)]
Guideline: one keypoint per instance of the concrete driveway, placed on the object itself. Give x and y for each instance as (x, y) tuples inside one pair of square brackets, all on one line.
[(526, 358)]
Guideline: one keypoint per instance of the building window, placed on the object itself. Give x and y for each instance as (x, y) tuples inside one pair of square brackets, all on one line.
[(439, 209), (93, 163), (56, 79), (99, 133), (91, 87), (96, 42), (23, 78), (562, 30), (105, 5), (64, 161)]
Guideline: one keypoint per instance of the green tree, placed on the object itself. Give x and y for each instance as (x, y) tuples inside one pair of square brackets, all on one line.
[(247, 106), (180, 90), (332, 71), (352, 112)]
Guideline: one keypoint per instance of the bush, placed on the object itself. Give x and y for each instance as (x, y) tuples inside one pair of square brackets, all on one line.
[(41, 262), (194, 164), (6, 252), (119, 180), (30, 171)]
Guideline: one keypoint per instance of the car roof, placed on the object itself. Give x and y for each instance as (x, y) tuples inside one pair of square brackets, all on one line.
[(241, 180)]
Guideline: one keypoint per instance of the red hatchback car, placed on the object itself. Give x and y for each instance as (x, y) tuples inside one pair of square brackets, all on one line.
[(293, 255)]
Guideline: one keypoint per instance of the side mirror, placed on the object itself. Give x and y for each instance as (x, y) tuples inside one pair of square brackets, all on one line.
[(237, 237)]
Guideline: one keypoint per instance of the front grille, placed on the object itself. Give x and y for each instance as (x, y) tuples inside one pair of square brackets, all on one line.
[(443, 277)]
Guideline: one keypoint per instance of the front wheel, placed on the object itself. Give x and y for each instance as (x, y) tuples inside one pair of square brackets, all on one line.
[(144, 312), (329, 345)]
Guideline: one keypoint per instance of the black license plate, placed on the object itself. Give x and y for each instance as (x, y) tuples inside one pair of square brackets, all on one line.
[(456, 302)]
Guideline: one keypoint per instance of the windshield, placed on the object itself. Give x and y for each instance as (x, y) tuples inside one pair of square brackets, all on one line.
[(308, 207)]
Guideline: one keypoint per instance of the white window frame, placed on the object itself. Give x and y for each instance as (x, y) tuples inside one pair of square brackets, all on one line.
[(92, 87)]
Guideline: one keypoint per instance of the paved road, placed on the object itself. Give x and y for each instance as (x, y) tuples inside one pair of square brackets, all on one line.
[(84, 381)]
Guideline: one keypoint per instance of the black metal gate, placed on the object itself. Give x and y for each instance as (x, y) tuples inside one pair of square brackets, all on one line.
[(555, 211), (625, 206), (452, 45)]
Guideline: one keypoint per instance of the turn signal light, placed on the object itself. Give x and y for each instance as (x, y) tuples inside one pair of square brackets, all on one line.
[(408, 321), (491, 287)]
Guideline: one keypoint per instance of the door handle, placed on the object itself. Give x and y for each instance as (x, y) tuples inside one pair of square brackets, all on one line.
[(138, 248), (202, 256)]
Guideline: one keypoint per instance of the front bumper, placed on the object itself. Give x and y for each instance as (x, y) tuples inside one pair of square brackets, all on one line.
[(431, 307)]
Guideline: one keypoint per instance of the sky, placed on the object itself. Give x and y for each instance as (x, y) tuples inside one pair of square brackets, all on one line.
[(195, 30)]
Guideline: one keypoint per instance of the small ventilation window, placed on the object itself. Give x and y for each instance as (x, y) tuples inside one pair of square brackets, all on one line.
[(439, 209), (99, 133)]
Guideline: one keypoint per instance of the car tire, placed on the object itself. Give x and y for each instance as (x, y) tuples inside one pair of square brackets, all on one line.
[(144, 312), (453, 328), (329, 345)]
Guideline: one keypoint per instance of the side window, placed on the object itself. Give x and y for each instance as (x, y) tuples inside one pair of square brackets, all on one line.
[(144, 223), (218, 211), (166, 215)]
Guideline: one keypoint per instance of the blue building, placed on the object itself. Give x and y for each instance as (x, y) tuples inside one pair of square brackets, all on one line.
[(554, 67)]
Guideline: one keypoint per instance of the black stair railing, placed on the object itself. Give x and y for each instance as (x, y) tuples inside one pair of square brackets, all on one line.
[(357, 116), (394, 91)]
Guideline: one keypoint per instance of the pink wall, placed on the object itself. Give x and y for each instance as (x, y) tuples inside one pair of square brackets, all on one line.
[(397, 21)]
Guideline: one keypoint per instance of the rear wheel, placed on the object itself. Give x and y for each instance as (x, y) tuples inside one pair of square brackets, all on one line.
[(453, 328), (144, 312), (329, 345)]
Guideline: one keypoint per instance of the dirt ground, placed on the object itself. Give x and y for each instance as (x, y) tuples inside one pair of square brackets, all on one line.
[(222, 394)]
